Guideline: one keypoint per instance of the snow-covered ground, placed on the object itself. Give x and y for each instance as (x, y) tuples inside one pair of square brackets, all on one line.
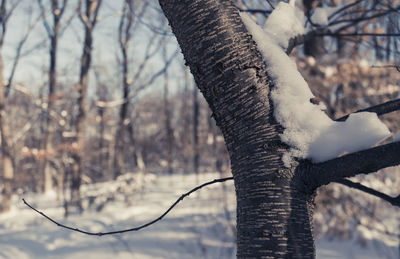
[(201, 226)]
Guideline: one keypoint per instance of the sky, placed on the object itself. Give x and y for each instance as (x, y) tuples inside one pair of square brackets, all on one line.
[(32, 69)]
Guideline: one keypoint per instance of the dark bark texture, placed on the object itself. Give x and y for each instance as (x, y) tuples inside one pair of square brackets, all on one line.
[(273, 208)]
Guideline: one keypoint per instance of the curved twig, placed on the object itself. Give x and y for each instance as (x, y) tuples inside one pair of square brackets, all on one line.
[(129, 229)]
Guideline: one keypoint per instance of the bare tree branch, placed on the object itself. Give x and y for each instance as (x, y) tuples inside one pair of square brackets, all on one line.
[(361, 162), (353, 22), (397, 67), (379, 109), (89, 18), (148, 55), (336, 34), (343, 9), (323, 32), (84, 19), (96, 12), (13, 7), (4, 16), (135, 228), (270, 4), (18, 54), (263, 11), (395, 201), (155, 75), (45, 23)]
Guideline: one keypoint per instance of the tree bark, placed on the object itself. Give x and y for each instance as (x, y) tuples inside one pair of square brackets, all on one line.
[(273, 208)]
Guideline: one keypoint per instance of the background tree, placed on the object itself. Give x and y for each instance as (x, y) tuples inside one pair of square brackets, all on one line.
[(124, 37), (88, 12), (6, 153), (53, 32), (7, 148)]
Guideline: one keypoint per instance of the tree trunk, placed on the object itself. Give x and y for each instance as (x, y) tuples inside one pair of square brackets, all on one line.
[(6, 158), (124, 36), (196, 155), (167, 119), (121, 130), (101, 156), (79, 165), (6, 155), (273, 207), (45, 169), (186, 122)]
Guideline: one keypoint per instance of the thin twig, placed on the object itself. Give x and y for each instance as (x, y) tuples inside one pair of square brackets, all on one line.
[(343, 9), (270, 4), (129, 229), (397, 67), (395, 201)]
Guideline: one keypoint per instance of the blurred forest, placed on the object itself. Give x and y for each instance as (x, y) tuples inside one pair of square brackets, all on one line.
[(91, 90)]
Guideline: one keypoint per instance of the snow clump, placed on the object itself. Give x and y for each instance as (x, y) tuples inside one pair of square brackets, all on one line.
[(284, 23), (308, 130), (321, 15)]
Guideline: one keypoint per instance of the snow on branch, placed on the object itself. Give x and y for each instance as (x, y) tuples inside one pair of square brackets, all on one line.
[(309, 132), (395, 201), (129, 229)]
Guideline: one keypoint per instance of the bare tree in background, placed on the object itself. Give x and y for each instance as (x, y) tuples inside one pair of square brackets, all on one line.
[(133, 13), (8, 159), (196, 115), (185, 135), (6, 152), (88, 11), (102, 95), (53, 32), (169, 134), (124, 37)]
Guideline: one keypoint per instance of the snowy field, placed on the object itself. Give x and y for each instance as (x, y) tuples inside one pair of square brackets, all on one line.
[(201, 226)]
